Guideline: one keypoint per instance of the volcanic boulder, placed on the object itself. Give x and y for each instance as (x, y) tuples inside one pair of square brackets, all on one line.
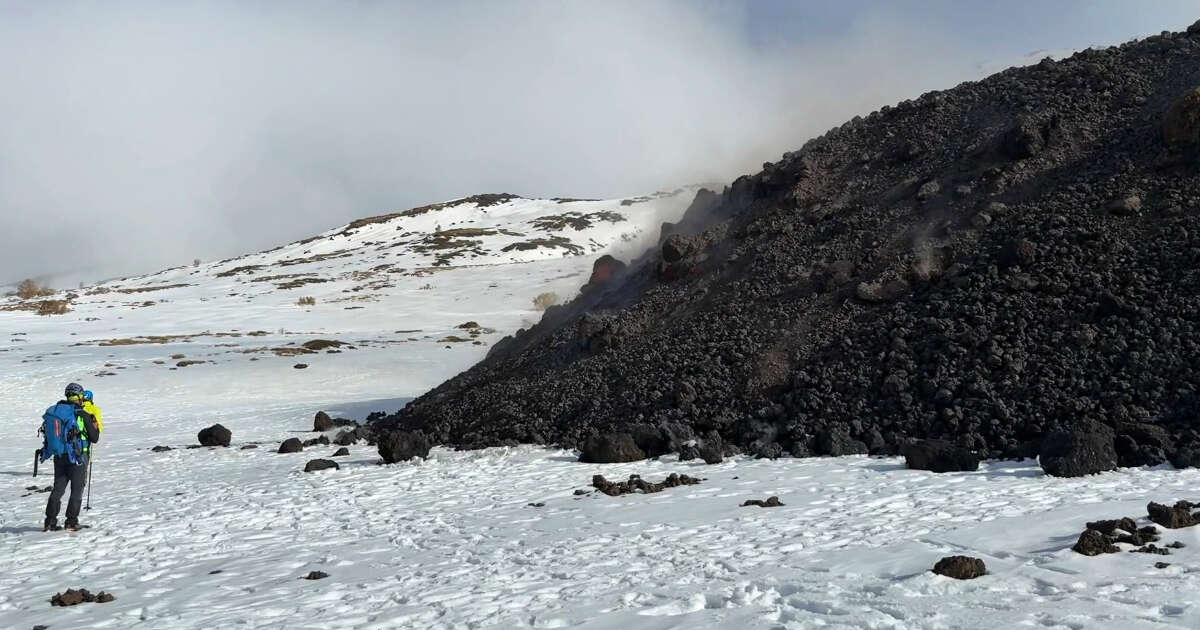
[(401, 446), (314, 465), (291, 445), (960, 567), (610, 448), (216, 435), (939, 456), (1173, 517), (322, 422), (1085, 451), (1093, 543)]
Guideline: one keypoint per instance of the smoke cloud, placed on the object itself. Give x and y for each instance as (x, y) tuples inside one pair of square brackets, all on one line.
[(137, 136)]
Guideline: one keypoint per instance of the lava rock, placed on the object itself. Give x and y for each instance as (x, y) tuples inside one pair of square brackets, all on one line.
[(341, 452), (1181, 126), (248, 447), (320, 440), (161, 449), (769, 502), (1093, 543), (401, 446), (1173, 517), (1017, 252), (322, 422), (316, 575), (216, 435), (291, 445), (72, 596), (638, 485), (314, 465), (960, 567), (1086, 451), (939, 456), (837, 443), (1109, 527), (610, 448)]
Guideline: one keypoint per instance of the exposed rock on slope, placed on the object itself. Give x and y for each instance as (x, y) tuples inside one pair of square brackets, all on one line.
[(968, 266)]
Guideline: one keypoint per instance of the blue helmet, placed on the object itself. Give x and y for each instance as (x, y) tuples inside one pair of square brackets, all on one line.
[(73, 389), (87, 394)]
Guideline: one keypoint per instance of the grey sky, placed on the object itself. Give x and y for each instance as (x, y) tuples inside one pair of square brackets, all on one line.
[(147, 134)]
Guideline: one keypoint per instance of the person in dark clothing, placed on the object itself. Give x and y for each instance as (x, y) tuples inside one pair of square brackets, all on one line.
[(68, 473)]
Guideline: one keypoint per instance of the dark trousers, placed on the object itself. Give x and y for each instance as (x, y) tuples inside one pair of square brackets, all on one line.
[(67, 473)]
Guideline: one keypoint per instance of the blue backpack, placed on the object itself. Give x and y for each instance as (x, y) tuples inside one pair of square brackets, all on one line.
[(61, 429)]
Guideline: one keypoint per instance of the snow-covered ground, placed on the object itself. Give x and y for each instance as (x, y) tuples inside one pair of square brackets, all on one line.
[(219, 538)]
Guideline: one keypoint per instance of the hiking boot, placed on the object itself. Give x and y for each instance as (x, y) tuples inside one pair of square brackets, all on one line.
[(50, 526), (72, 526)]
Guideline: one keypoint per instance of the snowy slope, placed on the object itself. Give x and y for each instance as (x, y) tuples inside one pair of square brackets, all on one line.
[(218, 538)]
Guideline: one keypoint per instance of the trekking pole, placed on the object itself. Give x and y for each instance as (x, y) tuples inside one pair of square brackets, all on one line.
[(91, 455), (37, 456)]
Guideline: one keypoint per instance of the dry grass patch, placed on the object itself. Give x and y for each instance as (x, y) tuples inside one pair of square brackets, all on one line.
[(307, 300), (53, 307), (29, 288)]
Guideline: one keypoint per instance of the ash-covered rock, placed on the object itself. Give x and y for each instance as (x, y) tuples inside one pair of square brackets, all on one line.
[(1006, 302), (1093, 543)]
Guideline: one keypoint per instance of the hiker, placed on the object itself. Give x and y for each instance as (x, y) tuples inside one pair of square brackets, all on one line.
[(90, 406), (68, 430)]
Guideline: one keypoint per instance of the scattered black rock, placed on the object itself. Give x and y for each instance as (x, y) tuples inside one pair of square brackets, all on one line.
[(1161, 565), (322, 422), (216, 435), (1173, 517), (320, 440), (769, 502), (72, 596), (580, 492), (161, 449), (341, 452), (1093, 543), (537, 505), (939, 456), (637, 484), (1152, 549), (248, 447), (215, 571), (1176, 545), (960, 567), (401, 446), (1086, 450), (300, 366), (316, 575), (291, 445), (314, 465), (611, 448)]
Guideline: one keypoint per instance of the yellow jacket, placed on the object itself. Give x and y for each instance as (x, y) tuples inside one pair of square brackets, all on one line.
[(91, 408)]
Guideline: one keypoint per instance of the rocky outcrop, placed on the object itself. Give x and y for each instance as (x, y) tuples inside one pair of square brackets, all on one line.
[(1172, 517), (322, 422), (291, 445), (1010, 302)]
